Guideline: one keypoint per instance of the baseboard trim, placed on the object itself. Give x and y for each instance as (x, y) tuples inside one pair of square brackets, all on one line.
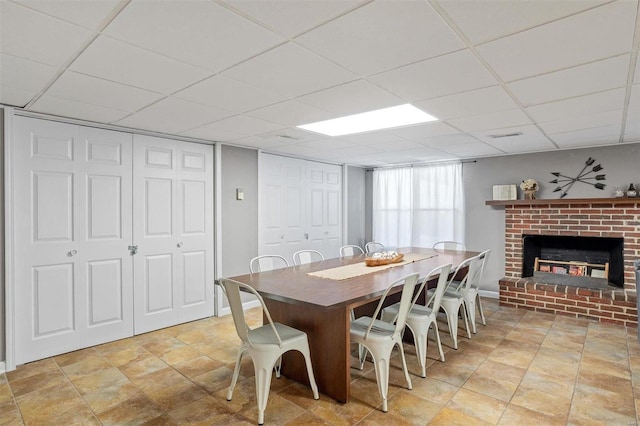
[(2, 367), (489, 294), (246, 305)]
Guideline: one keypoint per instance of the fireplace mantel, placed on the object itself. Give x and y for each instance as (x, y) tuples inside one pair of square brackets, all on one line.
[(563, 201)]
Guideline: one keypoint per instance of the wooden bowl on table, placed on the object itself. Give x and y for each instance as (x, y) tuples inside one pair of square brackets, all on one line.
[(370, 261)]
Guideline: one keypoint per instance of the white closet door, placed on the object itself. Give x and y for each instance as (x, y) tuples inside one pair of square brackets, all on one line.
[(300, 206), (73, 276), (282, 206), (173, 229)]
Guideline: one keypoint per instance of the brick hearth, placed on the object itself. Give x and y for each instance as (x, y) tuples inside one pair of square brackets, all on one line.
[(599, 217)]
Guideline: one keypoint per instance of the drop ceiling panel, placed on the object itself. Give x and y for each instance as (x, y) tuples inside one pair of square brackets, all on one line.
[(382, 35), (421, 132), (289, 70), (240, 125), (564, 43), (262, 143), (599, 119), (222, 92), (214, 133), (352, 98), (446, 141), (398, 145), (595, 77), (71, 109), (91, 90), (172, 115), (15, 97), (473, 102), (531, 139), (508, 17), (116, 61), (291, 18), (89, 14), (345, 155), (477, 149), (200, 33), (291, 113), (38, 37), (607, 135), (494, 120), (581, 105), (23, 74), (444, 75)]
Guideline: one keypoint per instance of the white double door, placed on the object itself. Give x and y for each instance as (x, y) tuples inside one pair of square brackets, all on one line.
[(79, 202), (300, 206)]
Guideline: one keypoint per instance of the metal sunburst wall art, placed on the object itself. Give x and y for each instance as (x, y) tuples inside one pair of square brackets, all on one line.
[(585, 176)]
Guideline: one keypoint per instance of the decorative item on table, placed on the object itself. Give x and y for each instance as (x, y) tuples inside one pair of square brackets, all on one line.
[(631, 192), (565, 182), (383, 258), (530, 187), (619, 192)]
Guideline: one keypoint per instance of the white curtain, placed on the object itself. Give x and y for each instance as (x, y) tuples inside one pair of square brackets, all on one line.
[(418, 206)]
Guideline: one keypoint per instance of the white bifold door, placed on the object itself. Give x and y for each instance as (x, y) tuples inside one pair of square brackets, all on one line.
[(300, 206), (73, 271), (173, 231), (83, 200)]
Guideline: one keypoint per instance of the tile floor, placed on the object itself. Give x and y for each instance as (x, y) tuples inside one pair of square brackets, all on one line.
[(522, 368)]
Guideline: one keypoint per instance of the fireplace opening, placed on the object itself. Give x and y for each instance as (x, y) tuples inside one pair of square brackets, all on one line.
[(591, 262)]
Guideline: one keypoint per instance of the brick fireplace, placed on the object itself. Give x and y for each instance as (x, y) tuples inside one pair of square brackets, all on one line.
[(593, 217)]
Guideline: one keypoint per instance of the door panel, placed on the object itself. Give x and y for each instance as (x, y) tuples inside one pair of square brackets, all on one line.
[(173, 217), (73, 273)]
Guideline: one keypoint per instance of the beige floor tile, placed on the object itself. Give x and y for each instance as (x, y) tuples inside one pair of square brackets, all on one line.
[(100, 379), (603, 400), (79, 367), (432, 390), (598, 366), (309, 419), (5, 392), (516, 415), (37, 382), (451, 417), (136, 410), (279, 411), (125, 355), (542, 402), (104, 399), (143, 365), (196, 366), (408, 406), (478, 405), (31, 369), (178, 355), (517, 354), (548, 383), (205, 411), (302, 395), (499, 383), (177, 395), (9, 413), (455, 375), (341, 414)]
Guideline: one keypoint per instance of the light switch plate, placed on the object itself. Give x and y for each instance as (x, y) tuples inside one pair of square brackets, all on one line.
[(239, 194)]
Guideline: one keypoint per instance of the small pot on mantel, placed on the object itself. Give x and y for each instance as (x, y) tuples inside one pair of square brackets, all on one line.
[(530, 194)]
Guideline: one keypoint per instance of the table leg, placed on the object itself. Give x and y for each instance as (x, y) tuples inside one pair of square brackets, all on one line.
[(328, 333)]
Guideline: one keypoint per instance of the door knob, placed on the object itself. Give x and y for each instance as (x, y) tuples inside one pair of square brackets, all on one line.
[(179, 244), (72, 253), (133, 249)]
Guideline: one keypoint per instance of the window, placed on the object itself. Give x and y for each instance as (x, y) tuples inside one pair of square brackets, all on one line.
[(418, 206)]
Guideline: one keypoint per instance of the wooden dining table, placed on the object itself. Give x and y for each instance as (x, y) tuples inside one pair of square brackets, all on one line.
[(321, 308)]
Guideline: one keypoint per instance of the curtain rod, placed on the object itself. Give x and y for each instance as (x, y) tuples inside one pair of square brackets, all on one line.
[(404, 166)]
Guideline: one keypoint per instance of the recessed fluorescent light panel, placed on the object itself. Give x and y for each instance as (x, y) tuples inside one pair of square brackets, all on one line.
[(386, 118)]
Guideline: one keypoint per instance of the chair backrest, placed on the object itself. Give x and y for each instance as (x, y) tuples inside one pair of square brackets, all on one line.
[(409, 285), (373, 247), (474, 268), (307, 256), (484, 256), (232, 291), (350, 250), (267, 262), (449, 245), (443, 279)]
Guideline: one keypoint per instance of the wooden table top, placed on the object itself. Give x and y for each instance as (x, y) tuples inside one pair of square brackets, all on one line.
[(293, 285)]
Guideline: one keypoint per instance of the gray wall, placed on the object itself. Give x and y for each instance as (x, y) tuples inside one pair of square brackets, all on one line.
[(355, 205), (239, 218), (485, 224), (2, 323)]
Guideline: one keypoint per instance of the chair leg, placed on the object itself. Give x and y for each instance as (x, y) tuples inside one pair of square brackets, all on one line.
[(404, 367), (479, 303), (362, 355), (466, 319), (312, 379), (452, 320), (437, 336), (263, 369), (278, 367), (382, 377), (236, 372), (421, 349), (471, 311)]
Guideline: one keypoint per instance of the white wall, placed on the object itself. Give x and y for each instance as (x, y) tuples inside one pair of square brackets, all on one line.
[(356, 191), (2, 322)]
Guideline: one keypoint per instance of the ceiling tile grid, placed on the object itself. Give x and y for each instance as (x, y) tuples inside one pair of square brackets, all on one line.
[(247, 72)]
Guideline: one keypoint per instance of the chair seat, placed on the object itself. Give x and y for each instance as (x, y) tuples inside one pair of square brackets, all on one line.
[(416, 311), (380, 329), (264, 335)]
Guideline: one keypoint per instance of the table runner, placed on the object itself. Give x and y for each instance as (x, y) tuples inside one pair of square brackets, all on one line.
[(357, 269)]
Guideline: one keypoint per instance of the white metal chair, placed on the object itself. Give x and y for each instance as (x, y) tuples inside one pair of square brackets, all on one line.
[(265, 345), (471, 296), (449, 245), (350, 250), (422, 317), (453, 299), (373, 247), (379, 337), (307, 256), (267, 262)]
